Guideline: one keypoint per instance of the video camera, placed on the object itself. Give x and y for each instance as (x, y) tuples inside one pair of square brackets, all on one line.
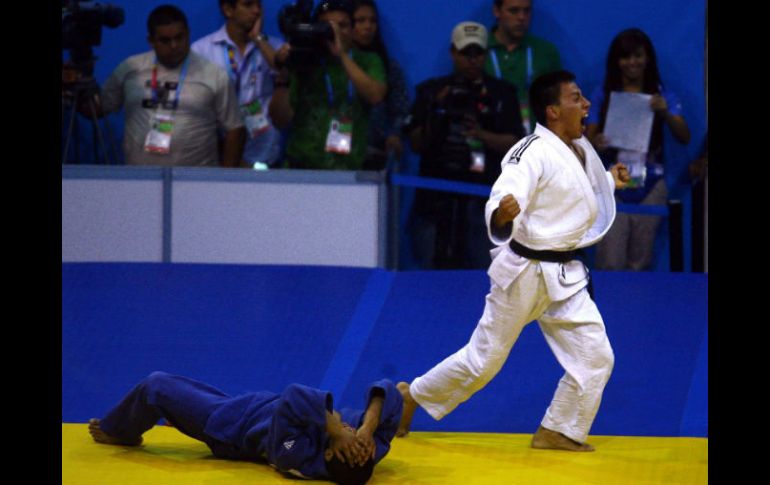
[(463, 99), (307, 38), (81, 28)]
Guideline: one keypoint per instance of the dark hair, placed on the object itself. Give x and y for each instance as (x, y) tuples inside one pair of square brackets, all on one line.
[(499, 3), (233, 3), (546, 91), (344, 474), (378, 46), (165, 15), (332, 6), (623, 45)]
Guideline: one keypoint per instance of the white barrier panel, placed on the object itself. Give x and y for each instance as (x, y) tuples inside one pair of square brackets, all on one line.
[(112, 220), (211, 215)]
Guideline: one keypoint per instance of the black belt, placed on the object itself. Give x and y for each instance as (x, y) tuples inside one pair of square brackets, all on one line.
[(550, 256), (553, 257)]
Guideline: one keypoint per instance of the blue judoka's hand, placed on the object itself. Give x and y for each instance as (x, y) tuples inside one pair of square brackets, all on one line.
[(366, 440), (343, 442), (347, 448)]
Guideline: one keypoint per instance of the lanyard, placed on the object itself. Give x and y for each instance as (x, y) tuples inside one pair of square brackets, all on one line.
[(154, 84), (330, 89), (529, 68), (233, 70), (499, 74)]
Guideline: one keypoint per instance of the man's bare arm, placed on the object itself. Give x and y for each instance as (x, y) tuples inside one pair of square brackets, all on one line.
[(233, 147)]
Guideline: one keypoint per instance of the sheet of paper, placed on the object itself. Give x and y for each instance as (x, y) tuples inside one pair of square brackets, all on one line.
[(629, 121)]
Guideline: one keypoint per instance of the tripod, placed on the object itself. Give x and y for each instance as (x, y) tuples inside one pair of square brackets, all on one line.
[(79, 94)]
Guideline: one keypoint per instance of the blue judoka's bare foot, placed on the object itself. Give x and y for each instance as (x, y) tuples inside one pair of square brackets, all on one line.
[(545, 439), (101, 437), (410, 406)]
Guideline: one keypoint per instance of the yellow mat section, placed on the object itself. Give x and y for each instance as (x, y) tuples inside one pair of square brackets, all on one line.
[(167, 457)]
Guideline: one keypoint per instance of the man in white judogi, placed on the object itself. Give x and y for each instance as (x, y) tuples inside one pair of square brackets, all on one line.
[(552, 198)]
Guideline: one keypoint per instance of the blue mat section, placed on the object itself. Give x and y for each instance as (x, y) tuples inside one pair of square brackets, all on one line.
[(261, 327)]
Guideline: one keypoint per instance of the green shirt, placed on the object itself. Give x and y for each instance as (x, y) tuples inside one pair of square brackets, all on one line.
[(513, 66), (309, 100)]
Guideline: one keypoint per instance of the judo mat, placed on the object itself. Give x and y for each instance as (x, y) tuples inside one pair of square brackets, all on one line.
[(168, 457)]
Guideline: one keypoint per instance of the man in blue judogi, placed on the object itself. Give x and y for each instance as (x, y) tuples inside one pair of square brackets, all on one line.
[(297, 431)]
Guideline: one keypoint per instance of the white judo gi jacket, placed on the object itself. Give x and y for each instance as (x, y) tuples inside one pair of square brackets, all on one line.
[(563, 207)]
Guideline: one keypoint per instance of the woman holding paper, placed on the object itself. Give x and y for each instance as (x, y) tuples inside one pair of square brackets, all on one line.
[(623, 129)]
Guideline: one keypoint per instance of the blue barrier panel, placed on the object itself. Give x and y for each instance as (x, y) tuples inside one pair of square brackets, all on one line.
[(238, 327)]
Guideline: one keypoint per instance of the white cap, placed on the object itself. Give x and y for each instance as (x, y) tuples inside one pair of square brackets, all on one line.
[(467, 33)]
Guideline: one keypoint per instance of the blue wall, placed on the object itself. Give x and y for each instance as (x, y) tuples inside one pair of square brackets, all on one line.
[(261, 327)]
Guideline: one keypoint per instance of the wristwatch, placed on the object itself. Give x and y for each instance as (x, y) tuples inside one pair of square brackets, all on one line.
[(261, 37)]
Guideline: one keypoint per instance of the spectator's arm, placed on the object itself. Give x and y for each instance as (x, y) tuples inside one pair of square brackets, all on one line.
[(232, 152), (670, 113), (371, 90), (267, 50), (678, 127), (229, 118), (279, 109)]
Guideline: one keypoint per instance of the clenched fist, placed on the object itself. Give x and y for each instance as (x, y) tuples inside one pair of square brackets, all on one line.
[(506, 211), (620, 174)]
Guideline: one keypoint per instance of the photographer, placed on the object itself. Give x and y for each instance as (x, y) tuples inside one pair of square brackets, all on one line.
[(461, 125), (326, 105)]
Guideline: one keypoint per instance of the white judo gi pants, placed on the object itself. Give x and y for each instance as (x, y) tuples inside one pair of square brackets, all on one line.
[(573, 329)]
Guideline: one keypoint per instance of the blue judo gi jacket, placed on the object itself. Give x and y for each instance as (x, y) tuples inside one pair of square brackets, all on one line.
[(289, 429)]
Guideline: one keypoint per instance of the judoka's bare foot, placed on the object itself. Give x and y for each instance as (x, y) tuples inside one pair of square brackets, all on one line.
[(101, 437), (545, 439), (410, 406)]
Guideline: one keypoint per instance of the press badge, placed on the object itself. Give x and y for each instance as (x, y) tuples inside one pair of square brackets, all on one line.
[(525, 113), (477, 155), (477, 162), (255, 118), (340, 137), (159, 138), (636, 162)]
